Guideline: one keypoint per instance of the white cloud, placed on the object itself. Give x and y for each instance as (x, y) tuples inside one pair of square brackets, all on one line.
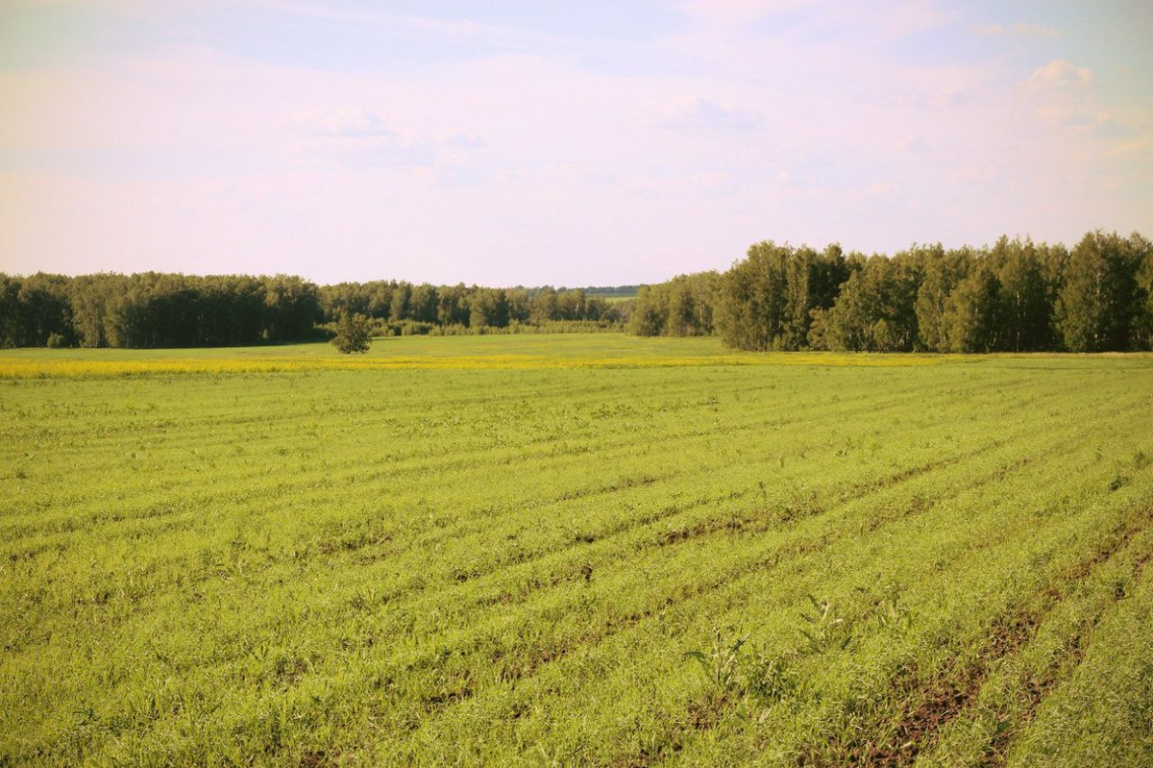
[(1063, 94), (913, 144), (453, 28), (1059, 76), (361, 138), (973, 174), (1110, 127), (567, 175), (1015, 30), (356, 123), (905, 19), (364, 152), (755, 119), (882, 21), (932, 96), (1141, 146), (698, 114), (704, 185), (739, 12)]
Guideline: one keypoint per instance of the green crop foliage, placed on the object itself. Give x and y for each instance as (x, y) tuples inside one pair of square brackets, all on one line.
[(589, 550)]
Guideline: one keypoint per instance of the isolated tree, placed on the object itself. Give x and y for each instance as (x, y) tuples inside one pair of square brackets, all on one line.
[(352, 334)]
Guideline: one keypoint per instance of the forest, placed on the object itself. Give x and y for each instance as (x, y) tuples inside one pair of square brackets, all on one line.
[(1017, 296), (155, 310)]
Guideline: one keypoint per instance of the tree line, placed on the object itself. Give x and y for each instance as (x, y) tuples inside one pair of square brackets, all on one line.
[(402, 307), (1016, 296), (152, 309)]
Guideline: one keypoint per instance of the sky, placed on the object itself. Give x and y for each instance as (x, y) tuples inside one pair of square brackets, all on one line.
[(577, 142)]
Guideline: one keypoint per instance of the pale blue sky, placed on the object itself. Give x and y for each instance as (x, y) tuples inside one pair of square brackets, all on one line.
[(558, 142)]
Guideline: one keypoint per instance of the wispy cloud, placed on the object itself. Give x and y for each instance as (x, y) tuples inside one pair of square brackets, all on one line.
[(361, 138), (355, 123), (1061, 94), (699, 114), (1015, 30), (459, 27), (1059, 76), (1068, 98), (626, 140), (891, 20), (913, 144)]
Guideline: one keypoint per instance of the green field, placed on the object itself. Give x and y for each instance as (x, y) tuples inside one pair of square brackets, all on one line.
[(614, 298), (574, 550)]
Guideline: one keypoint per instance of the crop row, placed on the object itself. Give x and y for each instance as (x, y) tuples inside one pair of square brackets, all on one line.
[(892, 565)]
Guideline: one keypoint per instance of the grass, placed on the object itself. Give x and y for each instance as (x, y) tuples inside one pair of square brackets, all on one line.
[(574, 550), (421, 353), (613, 298)]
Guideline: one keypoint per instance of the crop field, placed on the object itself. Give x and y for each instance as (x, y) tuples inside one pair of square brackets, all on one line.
[(589, 550), (608, 350)]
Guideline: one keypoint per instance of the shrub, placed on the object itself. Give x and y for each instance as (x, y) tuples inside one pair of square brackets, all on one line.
[(352, 334)]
